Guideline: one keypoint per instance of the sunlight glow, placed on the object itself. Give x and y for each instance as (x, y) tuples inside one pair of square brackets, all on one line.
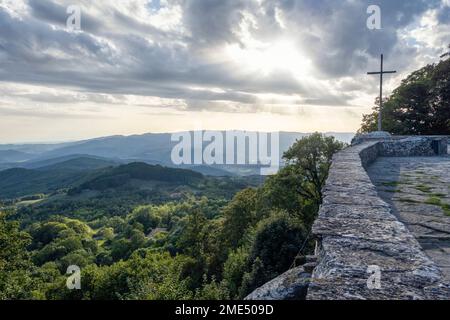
[(267, 58)]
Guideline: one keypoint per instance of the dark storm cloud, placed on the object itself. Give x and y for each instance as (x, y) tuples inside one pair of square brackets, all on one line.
[(116, 53)]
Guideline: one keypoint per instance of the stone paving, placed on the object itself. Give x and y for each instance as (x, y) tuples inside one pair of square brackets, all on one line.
[(418, 191)]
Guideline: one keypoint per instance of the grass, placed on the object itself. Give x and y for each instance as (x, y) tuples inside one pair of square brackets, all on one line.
[(439, 195), (436, 201), (446, 208), (423, 188), (391, 183)]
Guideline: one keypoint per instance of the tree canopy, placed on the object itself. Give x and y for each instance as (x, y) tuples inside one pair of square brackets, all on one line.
[(419, 106), (199, 247)]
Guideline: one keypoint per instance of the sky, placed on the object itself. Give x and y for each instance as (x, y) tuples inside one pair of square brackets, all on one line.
[(138, 66)]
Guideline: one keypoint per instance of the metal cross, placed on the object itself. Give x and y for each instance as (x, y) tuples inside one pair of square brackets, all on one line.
[(381, 72)]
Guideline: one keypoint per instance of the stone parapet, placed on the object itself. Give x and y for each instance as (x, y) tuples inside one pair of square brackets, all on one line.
[(359, 236)]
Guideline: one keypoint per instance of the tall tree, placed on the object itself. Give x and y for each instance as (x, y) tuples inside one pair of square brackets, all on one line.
[(310, 159), (420, 105), (15, 265), (239, 214)]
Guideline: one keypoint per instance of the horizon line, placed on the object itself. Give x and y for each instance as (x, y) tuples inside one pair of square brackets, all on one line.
[(156, 133)]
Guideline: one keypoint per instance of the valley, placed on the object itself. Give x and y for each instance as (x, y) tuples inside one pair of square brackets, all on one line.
[(140, 229)]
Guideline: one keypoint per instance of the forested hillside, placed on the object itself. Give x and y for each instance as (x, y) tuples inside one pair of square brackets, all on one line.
[(149, 232)]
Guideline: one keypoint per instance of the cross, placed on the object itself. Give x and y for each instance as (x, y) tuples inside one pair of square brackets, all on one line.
[(381, 89)]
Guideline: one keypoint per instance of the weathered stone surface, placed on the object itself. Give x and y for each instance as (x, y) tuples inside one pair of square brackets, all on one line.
[(291, 285), (343, 211), (352, 199), (377, 135), (401, 263), (408, 185), (373, 230), (357, 229), (409, 147), (397, 146)]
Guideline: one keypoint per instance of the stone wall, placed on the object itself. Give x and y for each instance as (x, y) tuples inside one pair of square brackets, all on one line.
[(358, 235), (291, 285), (414, 146), (405, 146)]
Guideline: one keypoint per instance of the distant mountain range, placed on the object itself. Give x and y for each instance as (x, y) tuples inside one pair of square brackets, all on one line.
[(14, 156), (148, 148), (111, 161)]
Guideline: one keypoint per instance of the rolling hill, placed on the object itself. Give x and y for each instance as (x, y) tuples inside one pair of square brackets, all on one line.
[(13, 155), (148, 148), (18, 182), (82, 163), (121, 176), (86, 173)]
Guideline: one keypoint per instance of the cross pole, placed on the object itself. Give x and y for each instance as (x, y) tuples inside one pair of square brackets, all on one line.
[(381, 72)]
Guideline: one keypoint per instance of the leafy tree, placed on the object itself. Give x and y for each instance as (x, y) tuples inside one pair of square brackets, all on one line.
[(44, 233), (120, 249), (212, 290), (277, 241), (138, 239), (117, 223), (48, 281), (79, 258), (280, 192), (107, 233), (104, 258), (192, 234), (309, 160), (250, 280), (239, 215), (146, 275), (446, 54), (419, 106), (214, 250), (234, 269), (15, 265), (146, 216), (273, 248)]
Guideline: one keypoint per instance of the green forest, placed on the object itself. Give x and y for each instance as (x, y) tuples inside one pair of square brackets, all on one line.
[(141, 232)]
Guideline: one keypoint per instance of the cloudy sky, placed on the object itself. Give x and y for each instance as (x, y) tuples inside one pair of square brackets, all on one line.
[(168, 65)]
